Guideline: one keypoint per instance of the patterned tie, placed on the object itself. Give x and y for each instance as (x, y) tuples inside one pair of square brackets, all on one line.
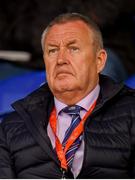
[(73, 111)]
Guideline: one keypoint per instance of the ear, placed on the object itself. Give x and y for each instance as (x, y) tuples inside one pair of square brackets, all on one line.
[(101, 60)]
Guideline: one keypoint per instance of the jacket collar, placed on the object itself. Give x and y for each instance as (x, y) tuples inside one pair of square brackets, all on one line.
[(35, 110), (108, 89)]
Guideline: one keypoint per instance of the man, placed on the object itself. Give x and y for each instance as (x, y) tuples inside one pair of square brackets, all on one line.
[(80, 124)]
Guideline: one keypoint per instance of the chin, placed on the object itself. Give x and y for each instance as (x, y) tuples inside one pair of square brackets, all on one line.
[(66, 84), (63, 87)]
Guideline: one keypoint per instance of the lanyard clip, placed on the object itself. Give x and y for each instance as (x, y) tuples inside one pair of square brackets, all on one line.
[(63, 173)]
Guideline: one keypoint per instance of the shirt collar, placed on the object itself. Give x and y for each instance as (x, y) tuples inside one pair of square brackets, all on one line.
[(85, 103)]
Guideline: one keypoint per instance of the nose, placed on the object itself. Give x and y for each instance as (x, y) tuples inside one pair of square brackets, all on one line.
[(62, 57)]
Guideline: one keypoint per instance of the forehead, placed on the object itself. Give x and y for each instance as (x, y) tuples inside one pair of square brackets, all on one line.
[(68, 30)]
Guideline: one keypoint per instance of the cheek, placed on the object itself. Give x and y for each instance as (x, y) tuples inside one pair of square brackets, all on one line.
[(88, 69), (48, 71), (49, 66)]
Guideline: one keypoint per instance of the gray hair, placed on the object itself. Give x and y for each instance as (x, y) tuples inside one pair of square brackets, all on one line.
[(68, 17)]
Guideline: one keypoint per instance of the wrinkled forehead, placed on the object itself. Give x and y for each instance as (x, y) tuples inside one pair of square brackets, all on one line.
[(68, 29)]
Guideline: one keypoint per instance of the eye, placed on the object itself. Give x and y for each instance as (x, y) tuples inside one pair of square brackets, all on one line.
[(52, 51), (74, 49)]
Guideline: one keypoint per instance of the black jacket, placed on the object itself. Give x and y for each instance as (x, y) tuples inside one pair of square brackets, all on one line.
[(109, 135)]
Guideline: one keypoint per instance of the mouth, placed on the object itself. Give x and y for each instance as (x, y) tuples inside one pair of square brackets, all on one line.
[(63, 74)]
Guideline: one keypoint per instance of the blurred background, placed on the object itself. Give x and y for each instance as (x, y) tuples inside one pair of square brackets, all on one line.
[(22, 23)]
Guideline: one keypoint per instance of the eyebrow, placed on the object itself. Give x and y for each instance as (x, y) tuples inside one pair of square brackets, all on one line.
[(52, 45), (68, 44), (71, 42)]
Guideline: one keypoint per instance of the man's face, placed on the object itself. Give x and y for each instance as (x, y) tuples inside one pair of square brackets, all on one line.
[(72, 64)]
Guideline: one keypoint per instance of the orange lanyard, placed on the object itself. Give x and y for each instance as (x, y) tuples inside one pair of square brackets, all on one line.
[(75, 134)]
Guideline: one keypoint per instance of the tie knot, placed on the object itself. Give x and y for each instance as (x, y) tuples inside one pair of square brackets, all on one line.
[(72, 110)]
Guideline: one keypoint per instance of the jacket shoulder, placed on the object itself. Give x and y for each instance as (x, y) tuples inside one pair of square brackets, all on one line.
[(11, 124), (11, 118), (128, 94)]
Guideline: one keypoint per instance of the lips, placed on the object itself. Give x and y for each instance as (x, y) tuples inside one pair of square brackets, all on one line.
[(63, 73)]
